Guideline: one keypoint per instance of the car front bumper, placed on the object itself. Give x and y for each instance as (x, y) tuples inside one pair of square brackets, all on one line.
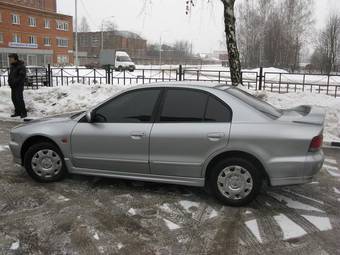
[(16, 152)]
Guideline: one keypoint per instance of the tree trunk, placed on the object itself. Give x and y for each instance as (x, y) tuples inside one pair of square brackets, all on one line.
[(233, 53)]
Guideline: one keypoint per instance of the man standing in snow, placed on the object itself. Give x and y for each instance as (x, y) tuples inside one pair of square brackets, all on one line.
[(16, 80)]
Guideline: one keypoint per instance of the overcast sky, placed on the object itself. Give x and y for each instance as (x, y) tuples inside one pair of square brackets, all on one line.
[(166, 19)]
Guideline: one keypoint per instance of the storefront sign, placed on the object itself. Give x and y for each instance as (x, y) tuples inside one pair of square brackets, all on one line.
[(23, 45)]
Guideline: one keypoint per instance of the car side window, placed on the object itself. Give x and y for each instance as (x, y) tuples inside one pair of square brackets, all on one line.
[(217, 111), (182, 105), (133, 107)]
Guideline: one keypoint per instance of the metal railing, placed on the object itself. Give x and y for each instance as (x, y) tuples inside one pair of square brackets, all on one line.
[(269, 81)]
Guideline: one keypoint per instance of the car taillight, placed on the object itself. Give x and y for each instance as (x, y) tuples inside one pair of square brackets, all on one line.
[(316, 143)]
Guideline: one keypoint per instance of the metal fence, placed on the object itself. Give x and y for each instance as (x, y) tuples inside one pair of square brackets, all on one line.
[(256, 80)]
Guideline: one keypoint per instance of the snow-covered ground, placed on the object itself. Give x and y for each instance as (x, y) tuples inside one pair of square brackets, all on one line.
[(56, 100)]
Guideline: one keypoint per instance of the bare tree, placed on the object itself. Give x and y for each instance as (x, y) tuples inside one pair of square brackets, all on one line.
[(328, 46), (231, 40), (110, 26), (230, 32), (273, 33), (84, 25)]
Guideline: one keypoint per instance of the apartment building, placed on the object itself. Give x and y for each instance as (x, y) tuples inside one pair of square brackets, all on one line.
[(34, 30)]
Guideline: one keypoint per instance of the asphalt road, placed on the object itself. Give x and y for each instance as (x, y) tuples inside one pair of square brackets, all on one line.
[(87, 215)]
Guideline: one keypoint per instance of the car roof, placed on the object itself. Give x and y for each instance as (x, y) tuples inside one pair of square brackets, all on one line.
[(207, 86)]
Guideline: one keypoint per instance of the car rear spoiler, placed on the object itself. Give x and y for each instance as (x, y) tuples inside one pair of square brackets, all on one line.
[(306, 114)]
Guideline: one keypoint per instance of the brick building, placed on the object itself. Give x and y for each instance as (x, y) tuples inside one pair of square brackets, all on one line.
[(90, 44), (34, 30)]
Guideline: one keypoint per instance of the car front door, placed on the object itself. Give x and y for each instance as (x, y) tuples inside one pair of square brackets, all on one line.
[(118, 138), (191, 126)]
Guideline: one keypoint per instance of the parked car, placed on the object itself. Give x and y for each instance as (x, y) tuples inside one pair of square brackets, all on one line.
[(36, 76), (220, 137)]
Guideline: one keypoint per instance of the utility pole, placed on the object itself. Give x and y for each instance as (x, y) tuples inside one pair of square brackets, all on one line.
[(76, 34), (160, 51)]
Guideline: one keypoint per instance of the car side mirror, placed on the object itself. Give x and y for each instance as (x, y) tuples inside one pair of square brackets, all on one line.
[(89, 117)]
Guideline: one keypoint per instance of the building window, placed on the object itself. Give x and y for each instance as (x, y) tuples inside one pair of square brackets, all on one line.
[(95, 41), (32, 39), (47, 41), (0, 17), (1, 37), (32, 22), (62, 59), (16, 38), (15, 19), (62, 25), (62, 42), (47, 23)]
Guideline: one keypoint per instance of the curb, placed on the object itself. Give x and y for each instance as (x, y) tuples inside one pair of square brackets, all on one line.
[(331, 144)]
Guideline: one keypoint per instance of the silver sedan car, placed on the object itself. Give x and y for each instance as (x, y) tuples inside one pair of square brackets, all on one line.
[(219, 137)]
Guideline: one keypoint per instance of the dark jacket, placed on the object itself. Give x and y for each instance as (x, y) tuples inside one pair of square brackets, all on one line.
[(17, 75)]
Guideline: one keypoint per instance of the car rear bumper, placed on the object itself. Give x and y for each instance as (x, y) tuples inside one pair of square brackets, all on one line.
[(304, 170)]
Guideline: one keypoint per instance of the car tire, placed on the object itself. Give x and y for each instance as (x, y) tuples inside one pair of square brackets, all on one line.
[(120, 69), (44, 162), (235, 181)]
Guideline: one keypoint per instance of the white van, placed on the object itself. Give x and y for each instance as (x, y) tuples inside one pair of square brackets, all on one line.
[(119, 60)]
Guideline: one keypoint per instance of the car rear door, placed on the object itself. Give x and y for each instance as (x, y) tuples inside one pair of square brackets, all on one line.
[(192, 124), (118, 138)]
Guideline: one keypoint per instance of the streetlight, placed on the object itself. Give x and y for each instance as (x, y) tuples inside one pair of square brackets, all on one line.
[(76, 28), (103, 20)]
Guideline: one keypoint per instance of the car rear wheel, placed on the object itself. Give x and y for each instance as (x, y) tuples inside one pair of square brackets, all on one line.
[(44, 163), (235, 181)]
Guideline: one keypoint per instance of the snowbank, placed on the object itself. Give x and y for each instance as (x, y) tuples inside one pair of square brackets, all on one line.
[(56, 100)]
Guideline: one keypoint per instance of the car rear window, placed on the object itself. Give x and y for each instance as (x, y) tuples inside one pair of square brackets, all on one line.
[(258, 104)]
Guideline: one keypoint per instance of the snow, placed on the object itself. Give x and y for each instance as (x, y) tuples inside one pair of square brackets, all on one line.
[(120, 246), (254, 228), (95, 236), (165, 207), (336, 190), (330, 161), (322, 223), (132, 212), (333, 168), (63, 199), (187, 205), (303, 196), (248, 212), (57, 100), (171, 225), (15, 245), (76, 97), (213, 214), (332, 173), (3, 147), (293, 203), (289, 228)]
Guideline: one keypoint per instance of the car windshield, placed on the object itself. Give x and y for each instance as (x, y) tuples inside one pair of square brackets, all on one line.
[(123, 59), (258, 104)]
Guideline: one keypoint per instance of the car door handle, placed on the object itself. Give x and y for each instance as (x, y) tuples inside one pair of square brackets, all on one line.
[(215, 136), (137, 135)]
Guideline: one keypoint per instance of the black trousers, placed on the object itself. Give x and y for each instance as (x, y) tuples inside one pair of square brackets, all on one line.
[(18, 100)]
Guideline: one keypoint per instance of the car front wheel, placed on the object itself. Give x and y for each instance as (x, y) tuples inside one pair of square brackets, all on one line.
[(235, 181), (44, 163)]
